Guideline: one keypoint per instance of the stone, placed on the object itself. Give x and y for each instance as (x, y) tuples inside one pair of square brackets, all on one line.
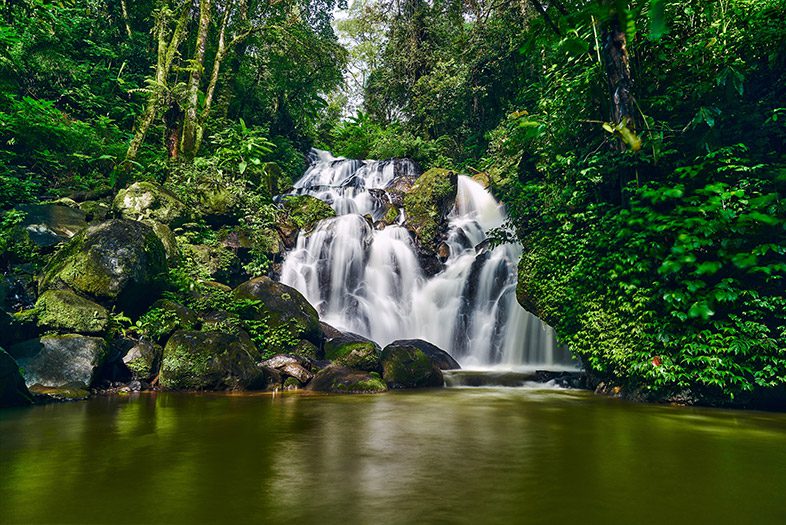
[(149, 200), (13, 390), (342, 380), (167, 238), (437, 356), (211, 361), (17, 327), (212, 262), (57, 360), (305, 211), (65, 311), (428, 203), (354, 351), (95, 211), (117, 261), (282, 308), (143, 360), (407, 366), (289, 365), (48, 225)]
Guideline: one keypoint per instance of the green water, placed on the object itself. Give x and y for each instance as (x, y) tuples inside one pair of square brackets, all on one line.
[(447, 456)]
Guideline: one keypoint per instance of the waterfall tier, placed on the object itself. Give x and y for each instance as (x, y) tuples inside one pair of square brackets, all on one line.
[(370, 281)]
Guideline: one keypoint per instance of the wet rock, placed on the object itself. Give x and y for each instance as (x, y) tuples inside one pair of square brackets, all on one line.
[(118, 261), (48, 225), (143, 360), (289, 365), (306, 349), (13, 391), (211, 361), (443, 251), (437, 356), (329, 332), (149, 200), (405, 365), (167, 238), (342, 380), (305, 211), (282, 307), (18, 288), (398, 187), (65, 311), (428, 203), (354, 351), (95, 211), (57, 360)]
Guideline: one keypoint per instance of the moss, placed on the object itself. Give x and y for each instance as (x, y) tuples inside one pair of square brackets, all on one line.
[(148, 200), (409, 367), (391, 216), (63, 310), (305, 211), (429, 201), (292, 383)]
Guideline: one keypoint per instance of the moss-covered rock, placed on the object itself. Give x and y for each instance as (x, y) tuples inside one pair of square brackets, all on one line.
[(212, 262), (13, 391), (211, 361), (282, 308), (57, 360), (437, 356), (342, 380), (407, 366), (354, 351), (167, 238), (305, 211), (143, 360), (306, 349), (65, 311), (118, 261), (428, 203), (149, 200), (95, 211), (166, 316)]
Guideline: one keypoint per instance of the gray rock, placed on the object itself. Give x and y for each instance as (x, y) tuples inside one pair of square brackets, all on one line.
[(57, 360)]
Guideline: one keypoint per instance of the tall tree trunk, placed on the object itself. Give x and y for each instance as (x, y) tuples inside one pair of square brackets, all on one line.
[(618, 74), (191, 115), (124, 10), (167, 49)]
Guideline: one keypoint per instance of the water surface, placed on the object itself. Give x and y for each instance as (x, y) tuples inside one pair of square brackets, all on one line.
[(464, 455)]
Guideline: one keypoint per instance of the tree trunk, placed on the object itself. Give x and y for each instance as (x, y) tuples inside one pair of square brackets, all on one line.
[(191, 115), (618, 75)]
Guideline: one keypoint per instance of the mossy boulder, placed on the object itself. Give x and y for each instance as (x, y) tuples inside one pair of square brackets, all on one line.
[(65, 311), (305, 211), (167, 238), (57, 360), (306, 349), (406, 366), (95, 211), (118, 261), (13, 391), (143, 360), (354, 351), (282, 308), (437, 356), (149, 200), (211, 361), (342, 380), (428, 203), (212, 262), (48, 225)]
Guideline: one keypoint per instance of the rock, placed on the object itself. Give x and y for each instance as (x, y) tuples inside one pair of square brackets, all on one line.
[(166, 316), (305, 211), (289, 365), (211, 361), (167, 238), (482, 178), (13, 391), (118, 261), (443, 252), (428, 203), (18, 287), (95, 211), (50, 224), (398, 187), (149, 200), (339, 379), (329, 332), (143, 360), (57, 360), (354, 351), (213, 262), (306, 349), (438, 356), (70, 392), (391, 216), (291, 383), (17, 327), (65, 311), (405, 365), (282, 307)]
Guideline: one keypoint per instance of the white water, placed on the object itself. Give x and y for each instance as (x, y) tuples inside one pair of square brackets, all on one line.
[(370, 281)]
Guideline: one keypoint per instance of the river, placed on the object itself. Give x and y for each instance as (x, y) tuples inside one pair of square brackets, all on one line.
[(455, 455)]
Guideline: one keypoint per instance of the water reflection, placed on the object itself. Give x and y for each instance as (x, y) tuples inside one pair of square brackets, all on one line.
[(452, 456)]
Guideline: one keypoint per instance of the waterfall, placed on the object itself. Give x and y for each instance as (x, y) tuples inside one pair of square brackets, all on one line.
[(370, 281)]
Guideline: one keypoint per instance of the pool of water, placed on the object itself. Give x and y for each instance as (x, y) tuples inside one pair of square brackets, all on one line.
[(460, 455)]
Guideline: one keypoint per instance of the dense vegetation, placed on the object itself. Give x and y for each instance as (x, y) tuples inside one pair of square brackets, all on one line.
[(637, 145)]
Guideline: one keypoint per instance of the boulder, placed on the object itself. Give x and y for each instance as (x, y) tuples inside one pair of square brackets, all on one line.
[(354, 351), (17, 327), (65, 311), (167, 238), (339, 379), (95, 211), (306, 349), (281, 307), (149, 200), (305, 211), (211, 361), (213, 262), (438, 356), (13, 391), (118, 261), (428, 203), (50, 224), (407, 366), (143, 360), (57, 360), (289, 365)]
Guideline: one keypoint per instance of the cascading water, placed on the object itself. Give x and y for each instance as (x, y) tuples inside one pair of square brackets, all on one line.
[(370, 281)]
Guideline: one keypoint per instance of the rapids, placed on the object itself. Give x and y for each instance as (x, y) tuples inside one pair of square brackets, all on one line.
[(370, 281)]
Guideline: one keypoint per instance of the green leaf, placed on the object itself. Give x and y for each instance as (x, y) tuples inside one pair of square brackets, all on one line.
[(657, 16)]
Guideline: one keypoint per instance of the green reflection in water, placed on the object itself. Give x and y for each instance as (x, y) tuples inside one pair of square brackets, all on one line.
[(448, 456)]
